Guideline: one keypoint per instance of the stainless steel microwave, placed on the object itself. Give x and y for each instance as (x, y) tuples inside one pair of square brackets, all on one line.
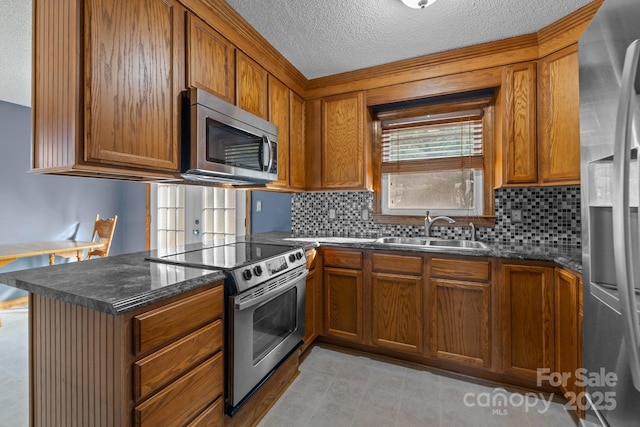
[(226, 144)]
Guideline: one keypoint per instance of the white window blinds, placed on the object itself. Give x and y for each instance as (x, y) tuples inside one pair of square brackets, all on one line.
[(451, 142)]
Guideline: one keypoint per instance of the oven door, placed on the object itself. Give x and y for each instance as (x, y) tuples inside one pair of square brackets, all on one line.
[(266, 324)]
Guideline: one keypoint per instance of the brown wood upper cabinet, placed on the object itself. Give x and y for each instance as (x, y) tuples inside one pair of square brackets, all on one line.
[(540, 128), (279, 115), (286, 110), (520, 164), (296, 142), (345, 153), (210, 60), (95, 111), (559, 117), (251, 86), (527, 318)]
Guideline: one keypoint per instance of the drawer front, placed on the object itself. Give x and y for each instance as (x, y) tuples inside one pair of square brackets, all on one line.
[(211, 417), (342, 259), (157, 369), (185, 397), (166, 323), (461, 269), (397, 264)]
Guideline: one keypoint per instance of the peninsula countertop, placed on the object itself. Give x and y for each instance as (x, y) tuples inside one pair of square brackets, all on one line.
[(113, 285)]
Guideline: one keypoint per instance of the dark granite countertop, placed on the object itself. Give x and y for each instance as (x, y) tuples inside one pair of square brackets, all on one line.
[(568, 257), (113, 285), (122, 283)]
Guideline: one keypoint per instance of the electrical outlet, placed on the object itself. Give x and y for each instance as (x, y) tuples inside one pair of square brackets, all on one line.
[(259, 206), (365, 214), (332, 214), (516, 215)]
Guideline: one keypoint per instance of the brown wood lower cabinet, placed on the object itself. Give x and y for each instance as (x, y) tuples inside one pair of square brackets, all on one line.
[(503, 320), (93, 368), (343, 294), (568, 340), (397, 292), (527, 328), (461, 310)]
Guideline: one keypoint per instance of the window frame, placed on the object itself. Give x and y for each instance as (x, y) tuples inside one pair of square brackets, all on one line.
[(487, 105)]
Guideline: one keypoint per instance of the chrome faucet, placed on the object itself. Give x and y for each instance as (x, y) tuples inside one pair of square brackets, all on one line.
[(474, 235), (428, 222)]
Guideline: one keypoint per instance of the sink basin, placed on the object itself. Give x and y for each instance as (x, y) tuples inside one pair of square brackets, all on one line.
[(458, 244), (433, 243), (402, 241)]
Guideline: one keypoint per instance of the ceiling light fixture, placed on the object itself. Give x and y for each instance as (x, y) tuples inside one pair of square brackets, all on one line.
[(418, 4)]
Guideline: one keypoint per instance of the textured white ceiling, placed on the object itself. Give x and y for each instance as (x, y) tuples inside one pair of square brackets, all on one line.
[(324, 37)]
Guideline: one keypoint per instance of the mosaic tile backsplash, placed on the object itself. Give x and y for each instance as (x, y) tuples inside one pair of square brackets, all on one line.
[(550, 216)]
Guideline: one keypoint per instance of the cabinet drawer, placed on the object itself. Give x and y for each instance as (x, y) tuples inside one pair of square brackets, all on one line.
[(183, 398), (460, 269), (343, 259), (166, 323), (211, 417), (157, 369), (397, 264)]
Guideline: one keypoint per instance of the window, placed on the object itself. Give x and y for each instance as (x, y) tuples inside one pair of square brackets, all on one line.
[(433, 158), (190, 213)]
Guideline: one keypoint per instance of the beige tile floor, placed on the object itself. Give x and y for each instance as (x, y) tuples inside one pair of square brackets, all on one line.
[(334, 389), (338, 389)]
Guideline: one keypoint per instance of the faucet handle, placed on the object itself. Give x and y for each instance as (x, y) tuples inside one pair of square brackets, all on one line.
[(427, 214)]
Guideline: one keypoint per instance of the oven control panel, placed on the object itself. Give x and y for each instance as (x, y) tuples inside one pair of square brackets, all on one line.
[(258, 272)]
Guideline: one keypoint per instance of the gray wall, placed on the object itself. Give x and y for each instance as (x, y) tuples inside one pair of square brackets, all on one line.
[(275, 214), (46, 207)]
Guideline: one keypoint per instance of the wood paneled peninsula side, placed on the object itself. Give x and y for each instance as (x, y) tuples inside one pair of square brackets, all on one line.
[(124, 341)]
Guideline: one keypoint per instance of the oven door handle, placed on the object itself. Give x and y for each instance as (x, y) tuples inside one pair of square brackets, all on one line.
[(240, 306)]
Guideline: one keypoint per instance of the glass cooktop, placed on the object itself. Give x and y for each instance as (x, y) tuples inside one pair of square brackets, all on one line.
[(227, 256)]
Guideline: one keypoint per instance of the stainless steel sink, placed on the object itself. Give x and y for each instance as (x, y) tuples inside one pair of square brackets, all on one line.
[(458, 244), (434, 243), (402, 241)]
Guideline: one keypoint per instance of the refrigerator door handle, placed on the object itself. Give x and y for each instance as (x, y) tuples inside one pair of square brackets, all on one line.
[(622, 240)]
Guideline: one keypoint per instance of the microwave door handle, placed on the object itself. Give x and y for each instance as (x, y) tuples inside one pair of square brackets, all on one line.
[(271, 159), (265, 162), (623, 242), (272, 294)]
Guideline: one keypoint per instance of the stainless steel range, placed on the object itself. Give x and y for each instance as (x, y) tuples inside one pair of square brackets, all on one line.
[(265, 308)]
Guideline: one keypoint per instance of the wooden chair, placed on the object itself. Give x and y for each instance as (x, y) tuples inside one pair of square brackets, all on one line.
[(103, 229)]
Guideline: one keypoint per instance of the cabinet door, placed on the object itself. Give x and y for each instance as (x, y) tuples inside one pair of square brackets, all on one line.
[(296, 142), (520, 164), (343, 144), (397, 312), (210, 59), (343, 302), (461, 321), (567, 345), (559, 117), (279, 116), (310, 332), (527, 307), (135, 63), (251, 86)]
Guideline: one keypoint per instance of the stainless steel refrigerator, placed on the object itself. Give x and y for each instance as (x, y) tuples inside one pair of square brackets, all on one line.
[(609, 53)]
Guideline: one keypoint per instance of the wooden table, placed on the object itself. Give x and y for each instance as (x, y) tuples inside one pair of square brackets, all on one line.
[(66, 248)]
